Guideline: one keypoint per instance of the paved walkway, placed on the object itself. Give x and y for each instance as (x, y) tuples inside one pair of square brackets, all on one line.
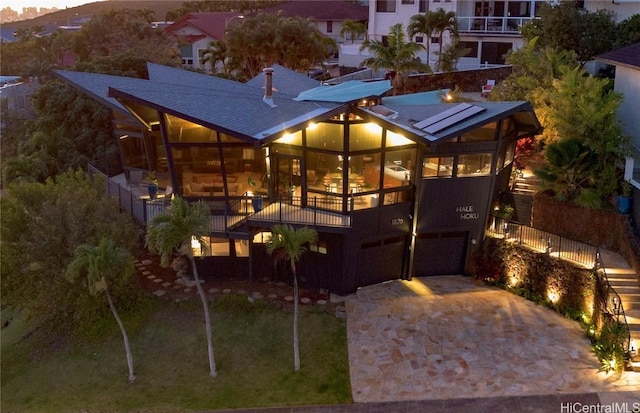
[(451, 337)]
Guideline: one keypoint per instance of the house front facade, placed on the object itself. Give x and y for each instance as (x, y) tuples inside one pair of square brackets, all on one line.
[(395, 187)]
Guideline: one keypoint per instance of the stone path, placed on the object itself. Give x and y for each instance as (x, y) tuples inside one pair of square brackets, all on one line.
[(188, 288), (451, 337)]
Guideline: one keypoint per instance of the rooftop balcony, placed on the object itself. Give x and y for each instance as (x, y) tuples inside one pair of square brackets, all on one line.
[(492, 25)]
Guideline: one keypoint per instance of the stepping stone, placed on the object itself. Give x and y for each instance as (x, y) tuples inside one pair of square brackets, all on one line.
[(177, 287), (146, 272), (157, 280), (213, 290), (187, 290), (151, 277), (322, 302), (226, 291), (305, 300), (166, 284), (280, 284), (159, 293), (147, 262), (242, 292), (257, 295), (273, 296), (288, 298)]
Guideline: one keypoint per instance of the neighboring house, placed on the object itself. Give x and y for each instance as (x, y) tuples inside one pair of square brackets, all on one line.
[(195, 31), (488, 28), (627, 82), (396, 187), (327, 15)]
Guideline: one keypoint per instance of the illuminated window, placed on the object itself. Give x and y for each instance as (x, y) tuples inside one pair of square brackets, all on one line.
[(442, 166), (320, 247), (474, 165)]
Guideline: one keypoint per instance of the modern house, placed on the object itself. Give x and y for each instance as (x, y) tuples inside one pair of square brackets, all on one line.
[(396, 186), (488, 28)]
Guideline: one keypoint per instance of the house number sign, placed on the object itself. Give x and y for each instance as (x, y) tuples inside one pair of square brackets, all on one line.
[(397, 221)]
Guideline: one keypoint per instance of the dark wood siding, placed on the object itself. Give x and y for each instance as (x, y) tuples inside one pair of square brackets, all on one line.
[(440, 254)]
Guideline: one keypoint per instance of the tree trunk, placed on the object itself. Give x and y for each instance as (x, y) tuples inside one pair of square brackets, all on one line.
[(132, 376), (207, 318), (296, 352)]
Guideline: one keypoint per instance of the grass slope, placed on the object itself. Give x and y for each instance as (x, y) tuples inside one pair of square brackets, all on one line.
[(254, 357)]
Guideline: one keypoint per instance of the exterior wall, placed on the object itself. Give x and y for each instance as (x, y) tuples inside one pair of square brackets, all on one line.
[(627, 82), (621, 9), (195, 47)]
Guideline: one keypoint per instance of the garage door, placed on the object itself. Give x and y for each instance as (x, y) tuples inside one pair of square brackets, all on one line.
[(380, 261), (441, 253)]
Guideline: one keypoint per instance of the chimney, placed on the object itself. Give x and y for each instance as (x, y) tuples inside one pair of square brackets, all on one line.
[(268, 86)]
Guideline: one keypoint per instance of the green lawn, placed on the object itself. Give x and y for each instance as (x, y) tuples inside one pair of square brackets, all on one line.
[(254, 357)]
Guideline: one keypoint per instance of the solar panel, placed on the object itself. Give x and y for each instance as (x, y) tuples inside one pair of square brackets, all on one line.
[(452, 120), (440, 116), (447, 118)]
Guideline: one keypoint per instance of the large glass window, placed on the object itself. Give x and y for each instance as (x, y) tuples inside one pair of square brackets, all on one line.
[(399, 168), (291, 139), (437, 166), (395, 139), (484, 133), (474, 164), (328, 136), (181, 130), (363, 136)]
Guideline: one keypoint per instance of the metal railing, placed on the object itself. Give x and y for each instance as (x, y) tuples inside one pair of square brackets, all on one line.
[(544, 241), (611, 301), (503, 25), (315, 211), (568, 249)]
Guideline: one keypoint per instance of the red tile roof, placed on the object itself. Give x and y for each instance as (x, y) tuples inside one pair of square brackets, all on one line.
[(628, 56)]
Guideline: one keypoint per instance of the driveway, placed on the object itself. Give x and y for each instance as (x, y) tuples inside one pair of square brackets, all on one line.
[(453, 337)]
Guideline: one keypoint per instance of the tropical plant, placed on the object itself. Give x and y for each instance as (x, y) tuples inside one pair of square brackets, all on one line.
[(216, 52), (449, 56), (288, 244), (396, 55), (353, 28), (423, 24), (609, 345), (441, 22), (103, 264), (569, 172), (172, 232)]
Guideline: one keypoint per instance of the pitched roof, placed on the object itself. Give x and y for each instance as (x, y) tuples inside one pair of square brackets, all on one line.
[(285, 81), (405, 116), (322, 10), (628, 56), (349, 91), (211, 24)]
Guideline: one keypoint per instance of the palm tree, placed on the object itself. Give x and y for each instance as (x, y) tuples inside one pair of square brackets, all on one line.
[(172, 232), (287, 244), (443, 21), (102, 264), (354, 29), (423, 24), (398, 56), (216, 52)]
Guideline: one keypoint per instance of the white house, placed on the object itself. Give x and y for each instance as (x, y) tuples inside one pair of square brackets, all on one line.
[(488, 28)]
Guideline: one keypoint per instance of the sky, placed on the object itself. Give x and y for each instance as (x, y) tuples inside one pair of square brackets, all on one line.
[(17, 5)]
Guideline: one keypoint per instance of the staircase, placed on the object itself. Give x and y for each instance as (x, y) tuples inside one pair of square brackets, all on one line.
[(625, 282), (521, 195)]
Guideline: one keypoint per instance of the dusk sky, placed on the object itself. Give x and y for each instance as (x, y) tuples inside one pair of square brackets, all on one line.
[(17, 5)]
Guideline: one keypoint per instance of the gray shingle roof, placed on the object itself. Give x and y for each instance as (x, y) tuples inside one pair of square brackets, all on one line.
[(628, 56)]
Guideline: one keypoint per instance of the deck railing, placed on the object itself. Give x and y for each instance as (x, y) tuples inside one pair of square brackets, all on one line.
[(490, 24)]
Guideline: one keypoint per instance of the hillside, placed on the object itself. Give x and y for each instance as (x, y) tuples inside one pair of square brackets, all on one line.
[(62, 17)]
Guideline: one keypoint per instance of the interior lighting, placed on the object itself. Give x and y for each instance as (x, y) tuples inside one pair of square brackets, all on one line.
[(312, 126), (286, 138), (195, 246)]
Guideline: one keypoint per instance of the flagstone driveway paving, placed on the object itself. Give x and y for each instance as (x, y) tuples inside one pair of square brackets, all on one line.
[(450, 337)]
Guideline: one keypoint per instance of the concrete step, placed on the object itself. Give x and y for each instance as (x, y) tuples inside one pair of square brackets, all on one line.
[(626, 290), (621, 272), (623, 282)]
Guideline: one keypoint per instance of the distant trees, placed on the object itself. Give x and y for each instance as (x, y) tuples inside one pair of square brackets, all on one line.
[(293, 42), (244, 6), (564, 26), (397, 55), (353, 29)]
